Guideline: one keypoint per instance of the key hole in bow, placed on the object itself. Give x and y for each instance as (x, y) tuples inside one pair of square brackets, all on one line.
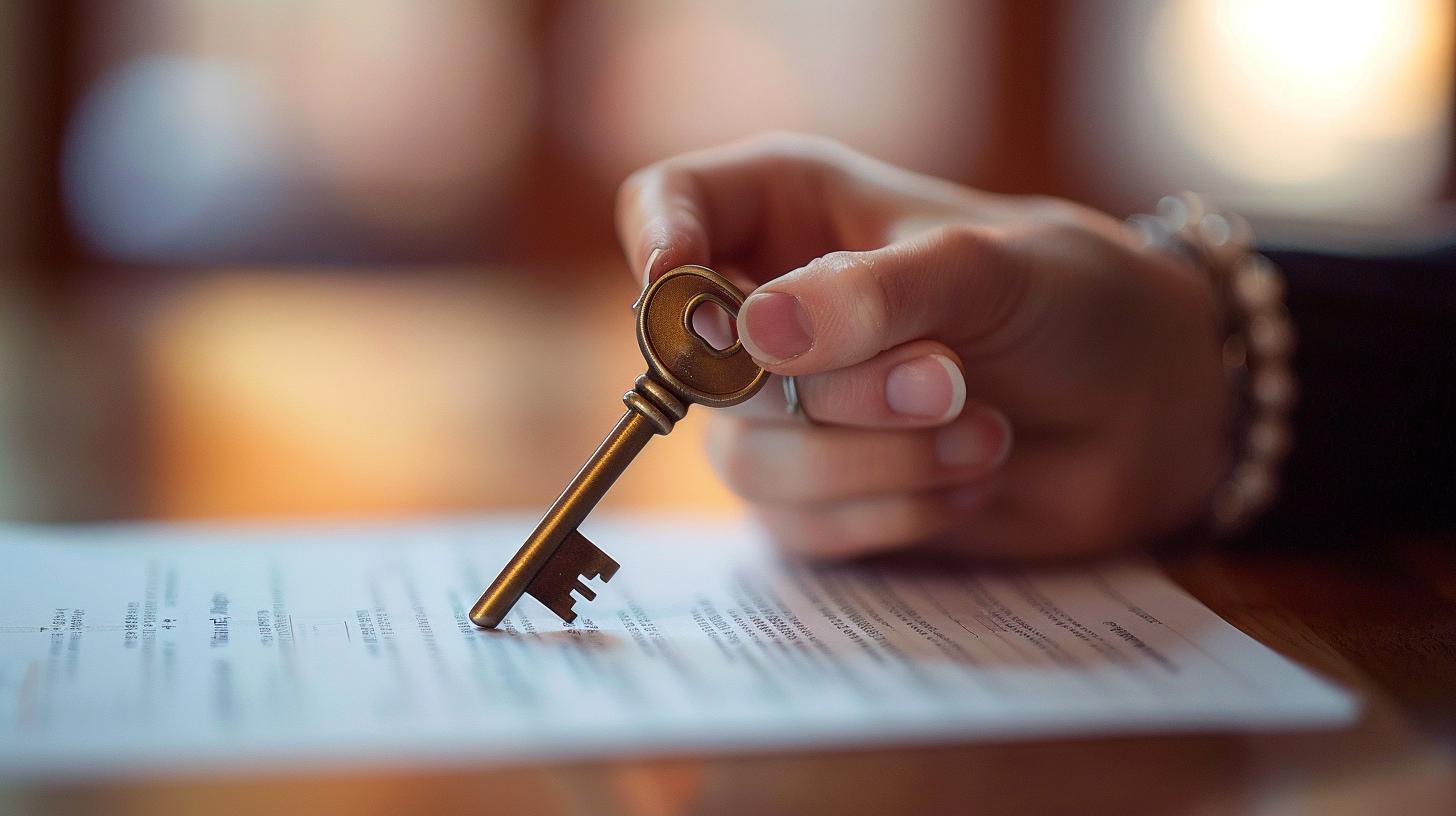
[(713, 324)]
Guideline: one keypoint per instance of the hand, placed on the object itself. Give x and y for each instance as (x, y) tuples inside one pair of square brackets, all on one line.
[(1009, 376)]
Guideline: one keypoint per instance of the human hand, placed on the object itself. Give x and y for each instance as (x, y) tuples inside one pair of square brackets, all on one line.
[(1008, 376)]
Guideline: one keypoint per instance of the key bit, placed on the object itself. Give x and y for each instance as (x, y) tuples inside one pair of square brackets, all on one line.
[(682, 368), (575, 559)]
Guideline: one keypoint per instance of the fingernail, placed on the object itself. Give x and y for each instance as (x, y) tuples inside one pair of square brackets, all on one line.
[(646, 277), (775, 327), (981, 439), (651, 262), (929, 387)]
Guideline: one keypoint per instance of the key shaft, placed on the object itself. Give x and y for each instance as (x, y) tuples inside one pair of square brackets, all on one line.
[(650, 411)]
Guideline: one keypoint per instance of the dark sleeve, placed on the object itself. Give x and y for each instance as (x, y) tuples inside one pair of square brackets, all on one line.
[(1375, 427)]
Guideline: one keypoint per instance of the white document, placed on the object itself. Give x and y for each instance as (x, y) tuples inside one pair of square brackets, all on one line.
[(146, 648)]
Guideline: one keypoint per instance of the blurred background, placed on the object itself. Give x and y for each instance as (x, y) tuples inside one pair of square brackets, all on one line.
[(355, 257)]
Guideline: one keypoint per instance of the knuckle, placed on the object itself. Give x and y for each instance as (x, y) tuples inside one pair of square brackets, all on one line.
[(884, 299), (994, 287), (632, 186), (830, 272), (893, 293), (775, 140), (854, 528), (818, 162), (855, 297), (912, 520), (1071, 234), (880, 524), (761, 464), (858, 528), (880, 297), (800, 531), (1054, 210), (820, 534), (968, 246), (788, 142), (840, 396)]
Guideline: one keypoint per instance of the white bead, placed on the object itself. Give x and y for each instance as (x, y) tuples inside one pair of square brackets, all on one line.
[(1257, 284), (1215, 230), (1260, 347), (1273, 388), (1255, 483), (1270, 335), (1269, 439), (1174, 211)]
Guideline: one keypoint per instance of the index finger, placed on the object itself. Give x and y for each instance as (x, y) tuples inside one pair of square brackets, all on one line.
[(708, 207)]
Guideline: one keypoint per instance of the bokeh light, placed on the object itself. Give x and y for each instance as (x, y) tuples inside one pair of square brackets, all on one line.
[(318, 394), (1293, 94), (171, 158), (1316, 109)]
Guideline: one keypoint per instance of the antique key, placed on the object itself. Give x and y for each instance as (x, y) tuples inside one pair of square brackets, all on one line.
[(682, 368)]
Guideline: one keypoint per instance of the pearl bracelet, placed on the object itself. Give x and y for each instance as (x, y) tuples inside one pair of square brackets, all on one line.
[(1258, 348)]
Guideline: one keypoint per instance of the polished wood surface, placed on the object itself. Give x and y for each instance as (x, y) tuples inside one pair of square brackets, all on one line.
[(1381, 619)]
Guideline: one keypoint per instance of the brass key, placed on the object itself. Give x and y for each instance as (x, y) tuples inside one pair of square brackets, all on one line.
[(682, 368)]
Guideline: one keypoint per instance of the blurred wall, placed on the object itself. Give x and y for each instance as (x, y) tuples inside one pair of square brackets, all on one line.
[(19, 179)]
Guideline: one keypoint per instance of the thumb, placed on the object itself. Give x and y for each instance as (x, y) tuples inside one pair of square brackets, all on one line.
[(953, 284)]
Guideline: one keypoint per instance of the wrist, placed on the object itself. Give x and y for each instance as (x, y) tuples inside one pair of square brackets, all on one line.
[(1257, 341)]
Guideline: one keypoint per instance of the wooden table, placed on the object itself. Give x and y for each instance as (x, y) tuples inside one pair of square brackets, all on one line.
[(1382, 620)]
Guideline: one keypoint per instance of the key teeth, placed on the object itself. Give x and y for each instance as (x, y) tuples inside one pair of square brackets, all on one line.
[(606, 573), (560, 605), (574, 560), (586, 591)]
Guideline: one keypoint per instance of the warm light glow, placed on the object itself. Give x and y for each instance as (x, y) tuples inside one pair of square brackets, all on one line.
[(1342, 98), (645, 80), (319, 394)]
